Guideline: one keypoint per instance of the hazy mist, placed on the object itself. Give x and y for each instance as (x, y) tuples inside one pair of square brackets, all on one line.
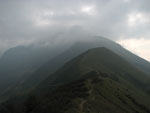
[(53, 22)]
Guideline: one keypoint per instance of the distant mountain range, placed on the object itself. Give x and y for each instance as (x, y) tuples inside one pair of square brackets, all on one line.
[(94, 76)]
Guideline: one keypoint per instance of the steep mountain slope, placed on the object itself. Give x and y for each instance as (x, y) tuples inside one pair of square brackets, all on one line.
[(18, 63), (97, 81), (103, 60), (97, 94), (80, 47), (103, 80), (40, 74), (77, 49)]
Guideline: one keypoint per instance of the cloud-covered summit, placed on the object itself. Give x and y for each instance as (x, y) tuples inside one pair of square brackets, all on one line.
[(28, 21)]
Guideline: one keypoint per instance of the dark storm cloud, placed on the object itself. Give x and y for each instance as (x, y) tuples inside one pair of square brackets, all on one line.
[(27, 21)]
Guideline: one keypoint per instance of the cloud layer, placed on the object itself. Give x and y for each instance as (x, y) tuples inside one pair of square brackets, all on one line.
[(27, 21)]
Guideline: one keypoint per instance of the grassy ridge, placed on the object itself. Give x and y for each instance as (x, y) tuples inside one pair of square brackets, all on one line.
[(97, 81)]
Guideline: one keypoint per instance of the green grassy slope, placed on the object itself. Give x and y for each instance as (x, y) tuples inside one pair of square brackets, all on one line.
[(97, 81), (111, 84), (103, 60), (97, 94), (32, 80), (57, 62)]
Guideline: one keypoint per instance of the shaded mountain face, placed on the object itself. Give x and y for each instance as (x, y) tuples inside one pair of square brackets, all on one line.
[(52, 65), (29, 81), (95, 94), (92, 82), (104, 80), (18, 63), (100, 60), (80, 47)]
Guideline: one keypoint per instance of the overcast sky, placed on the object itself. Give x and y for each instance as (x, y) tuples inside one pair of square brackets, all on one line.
[(124, 21)]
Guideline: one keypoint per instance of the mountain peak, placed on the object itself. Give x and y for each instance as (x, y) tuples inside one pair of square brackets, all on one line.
[(101, 60)]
